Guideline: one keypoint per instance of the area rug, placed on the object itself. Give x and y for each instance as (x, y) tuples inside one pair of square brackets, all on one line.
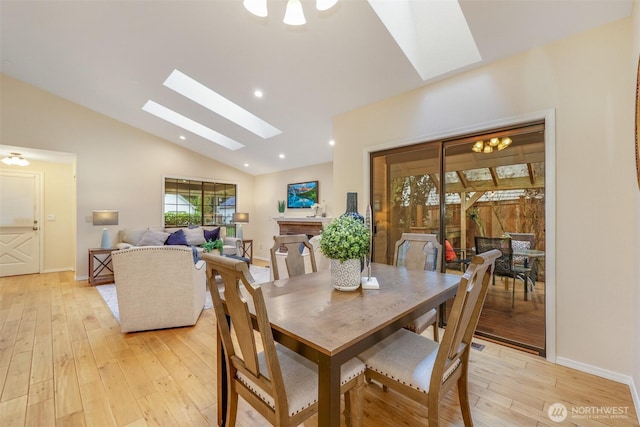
[(108, 292)]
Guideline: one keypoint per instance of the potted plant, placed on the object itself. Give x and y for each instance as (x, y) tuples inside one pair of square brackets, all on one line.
[(212, 244), (345, 241), (281, 207)]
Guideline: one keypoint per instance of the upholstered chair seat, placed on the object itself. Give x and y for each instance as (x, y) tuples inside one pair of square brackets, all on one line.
[(300, 378)]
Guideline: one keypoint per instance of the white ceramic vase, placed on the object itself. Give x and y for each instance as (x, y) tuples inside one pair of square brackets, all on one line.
[(345, 276)]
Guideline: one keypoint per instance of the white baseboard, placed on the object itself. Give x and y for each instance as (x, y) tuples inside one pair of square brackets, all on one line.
[(604, 373), (57, 270), (636, 398)]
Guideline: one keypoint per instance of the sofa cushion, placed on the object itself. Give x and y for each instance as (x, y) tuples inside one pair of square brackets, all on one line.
[(132, 235), (177, 238), (153, 238), (195, 236), (212, 234)]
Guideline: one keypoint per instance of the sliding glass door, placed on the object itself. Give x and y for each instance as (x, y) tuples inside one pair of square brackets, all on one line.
[(493, 187)]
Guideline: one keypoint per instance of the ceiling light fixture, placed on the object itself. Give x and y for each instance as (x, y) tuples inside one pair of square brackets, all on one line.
[(293, 15), (483, 146), (15, 159)]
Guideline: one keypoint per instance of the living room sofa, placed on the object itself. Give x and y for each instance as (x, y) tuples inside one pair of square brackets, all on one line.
[(193, 237)]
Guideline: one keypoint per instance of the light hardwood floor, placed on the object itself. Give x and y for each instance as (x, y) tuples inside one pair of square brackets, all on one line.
[(64, 361)]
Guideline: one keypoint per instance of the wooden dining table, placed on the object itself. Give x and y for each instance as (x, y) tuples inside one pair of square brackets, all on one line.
[(329, 327)]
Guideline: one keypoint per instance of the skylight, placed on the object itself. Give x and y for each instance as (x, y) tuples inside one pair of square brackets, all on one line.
[(190, 125), (433, 35), (199, 93)]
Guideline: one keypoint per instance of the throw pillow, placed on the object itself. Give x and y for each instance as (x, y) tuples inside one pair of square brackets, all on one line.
[(153, 238), (212, 234), (195, 236), (177, 238)]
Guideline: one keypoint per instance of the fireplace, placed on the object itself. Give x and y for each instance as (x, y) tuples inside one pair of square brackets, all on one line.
[(311, 226)]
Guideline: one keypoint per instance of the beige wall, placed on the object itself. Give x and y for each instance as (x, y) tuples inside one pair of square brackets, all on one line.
[(588, 83), (270, 188), (118, 167), (58, 236), (635, 60)]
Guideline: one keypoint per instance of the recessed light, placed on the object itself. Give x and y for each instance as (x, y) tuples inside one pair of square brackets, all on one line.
[(332, 142), (258, 93), (201, 94), (281, 156), (246, 165), (182, 137), (191, 125)]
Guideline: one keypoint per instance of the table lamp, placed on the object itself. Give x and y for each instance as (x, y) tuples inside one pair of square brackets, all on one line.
[(240, 218), (105, 217)]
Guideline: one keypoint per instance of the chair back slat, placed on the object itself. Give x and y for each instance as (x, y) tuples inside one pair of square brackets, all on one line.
[(465, 313), (294, 244), (410, 251), (241, 294)]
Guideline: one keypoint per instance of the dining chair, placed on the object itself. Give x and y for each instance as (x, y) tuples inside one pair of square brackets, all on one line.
[(411, 252), (294, 245), (279, 383), (504, 265), (424, 370)]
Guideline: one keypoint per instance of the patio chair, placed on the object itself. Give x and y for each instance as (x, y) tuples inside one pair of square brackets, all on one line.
[(525, 241), (424, 370), (410, 252), (279, 383), (504, 265)]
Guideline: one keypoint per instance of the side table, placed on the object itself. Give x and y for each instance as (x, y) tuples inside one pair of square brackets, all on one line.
[(247, 249), (100, 266)]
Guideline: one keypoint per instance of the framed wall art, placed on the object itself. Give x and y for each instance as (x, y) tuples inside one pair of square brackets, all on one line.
[(302, 194)]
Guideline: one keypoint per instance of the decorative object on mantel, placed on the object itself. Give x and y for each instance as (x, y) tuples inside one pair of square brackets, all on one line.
[(345, 242), (281, 207), (315, 208)]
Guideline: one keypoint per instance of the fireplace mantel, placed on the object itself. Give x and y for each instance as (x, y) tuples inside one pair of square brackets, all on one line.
[(311, 226)]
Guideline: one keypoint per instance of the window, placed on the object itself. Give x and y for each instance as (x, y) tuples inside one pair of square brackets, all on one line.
[(190, 202)]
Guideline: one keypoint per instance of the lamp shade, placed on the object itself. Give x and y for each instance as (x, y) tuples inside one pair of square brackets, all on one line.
[(241, 217), (105, 217)]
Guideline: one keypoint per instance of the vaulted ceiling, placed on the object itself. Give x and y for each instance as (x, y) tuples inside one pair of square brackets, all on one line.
[(114, 56)]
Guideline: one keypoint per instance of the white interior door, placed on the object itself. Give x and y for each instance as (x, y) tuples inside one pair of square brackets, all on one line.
[(19, 227)]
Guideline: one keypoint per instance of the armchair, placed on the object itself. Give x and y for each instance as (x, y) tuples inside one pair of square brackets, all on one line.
[(158, 287)]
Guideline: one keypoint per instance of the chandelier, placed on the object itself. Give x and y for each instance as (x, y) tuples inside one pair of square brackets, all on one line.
[(293, 15), (15, 159), (483, 146)]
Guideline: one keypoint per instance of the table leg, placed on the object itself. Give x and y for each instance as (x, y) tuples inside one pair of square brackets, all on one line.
[(328, 392)]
